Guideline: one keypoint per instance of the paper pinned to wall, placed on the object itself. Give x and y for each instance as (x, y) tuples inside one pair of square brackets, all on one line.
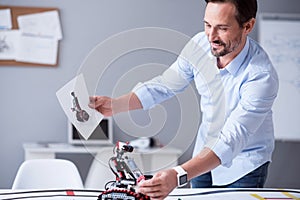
[(45, 24), (5, 16), (37, 50), (9, 43)]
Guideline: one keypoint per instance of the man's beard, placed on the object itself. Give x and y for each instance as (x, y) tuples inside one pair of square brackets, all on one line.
[(221, 53), (230, 47)]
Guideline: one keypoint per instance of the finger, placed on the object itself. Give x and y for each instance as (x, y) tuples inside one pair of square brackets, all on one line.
[(92, 99), (149, 192), (149, 185), (151, 182), (155, 194), (96, 101)]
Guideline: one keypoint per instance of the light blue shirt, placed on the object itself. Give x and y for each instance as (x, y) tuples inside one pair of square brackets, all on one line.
[(235, 102)]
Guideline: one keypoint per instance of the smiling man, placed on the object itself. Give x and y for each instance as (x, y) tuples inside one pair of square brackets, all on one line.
[(240, 155)]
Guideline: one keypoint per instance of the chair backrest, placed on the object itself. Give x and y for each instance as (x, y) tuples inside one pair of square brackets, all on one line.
[(47, 174), (99, 173)]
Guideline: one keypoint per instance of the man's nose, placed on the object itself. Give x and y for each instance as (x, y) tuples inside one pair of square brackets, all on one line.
[(212, 34)]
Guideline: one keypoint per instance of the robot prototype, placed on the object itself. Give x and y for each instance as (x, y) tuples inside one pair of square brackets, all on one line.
[(128, 175)]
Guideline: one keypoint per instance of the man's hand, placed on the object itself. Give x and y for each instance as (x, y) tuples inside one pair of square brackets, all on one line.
[(102, 104), (109, 106), (158, 187)]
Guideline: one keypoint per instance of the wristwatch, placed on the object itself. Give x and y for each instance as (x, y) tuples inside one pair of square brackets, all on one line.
[(182, 178)]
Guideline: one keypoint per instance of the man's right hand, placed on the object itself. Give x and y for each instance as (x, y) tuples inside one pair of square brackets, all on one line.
[(102, 104), (108, 106)]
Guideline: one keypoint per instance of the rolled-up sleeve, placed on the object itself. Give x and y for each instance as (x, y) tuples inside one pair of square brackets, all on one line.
[(174, 80)]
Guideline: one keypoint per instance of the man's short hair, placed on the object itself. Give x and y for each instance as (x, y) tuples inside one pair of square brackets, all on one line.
[(246, 9)]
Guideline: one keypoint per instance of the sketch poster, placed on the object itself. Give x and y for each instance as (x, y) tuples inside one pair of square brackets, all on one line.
[(74, 99)]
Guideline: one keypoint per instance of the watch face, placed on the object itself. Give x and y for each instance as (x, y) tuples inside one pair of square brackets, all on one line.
[(183, 179)]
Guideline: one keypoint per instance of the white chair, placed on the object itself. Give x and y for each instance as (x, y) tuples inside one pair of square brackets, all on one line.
[(48, 174), (99, 173)]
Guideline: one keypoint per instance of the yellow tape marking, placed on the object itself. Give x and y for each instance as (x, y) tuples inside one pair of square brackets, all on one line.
[(257, 196), (291, 196)]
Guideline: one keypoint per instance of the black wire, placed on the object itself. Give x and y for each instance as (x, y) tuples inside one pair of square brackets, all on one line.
[(114, 150), (109, 164), (108, 183)]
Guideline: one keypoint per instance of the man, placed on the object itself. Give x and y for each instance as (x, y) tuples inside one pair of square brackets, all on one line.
[(240, 155)]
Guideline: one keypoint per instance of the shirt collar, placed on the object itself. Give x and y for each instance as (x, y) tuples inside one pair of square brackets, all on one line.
[(237, 62)]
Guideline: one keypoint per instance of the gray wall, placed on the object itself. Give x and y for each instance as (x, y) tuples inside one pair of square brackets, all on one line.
[(30, 111)]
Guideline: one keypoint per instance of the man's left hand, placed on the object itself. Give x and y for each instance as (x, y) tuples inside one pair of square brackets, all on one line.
[(160, 185)]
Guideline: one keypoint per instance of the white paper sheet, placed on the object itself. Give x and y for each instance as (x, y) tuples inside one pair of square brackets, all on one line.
[(9, 43), (45, 24), (68, 103), (37, 50), (5, 16)]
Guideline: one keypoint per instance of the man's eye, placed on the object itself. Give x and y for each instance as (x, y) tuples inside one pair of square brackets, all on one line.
[(207, 25), (223, 28)]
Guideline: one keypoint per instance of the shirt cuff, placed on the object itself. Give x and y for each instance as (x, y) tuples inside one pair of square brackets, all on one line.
[(145, 97), (222, 150)]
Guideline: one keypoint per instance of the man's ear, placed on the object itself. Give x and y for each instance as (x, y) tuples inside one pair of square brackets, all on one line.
[(249, 25)]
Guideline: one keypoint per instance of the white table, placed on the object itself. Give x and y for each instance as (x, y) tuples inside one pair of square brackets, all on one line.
[(148, 160), (49, 150), (182, 194)]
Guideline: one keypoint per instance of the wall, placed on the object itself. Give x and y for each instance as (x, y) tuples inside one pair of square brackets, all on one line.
[(30, 111)]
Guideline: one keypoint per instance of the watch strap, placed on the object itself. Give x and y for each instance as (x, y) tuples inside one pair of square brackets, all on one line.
[(179, 170), (181, 176)]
